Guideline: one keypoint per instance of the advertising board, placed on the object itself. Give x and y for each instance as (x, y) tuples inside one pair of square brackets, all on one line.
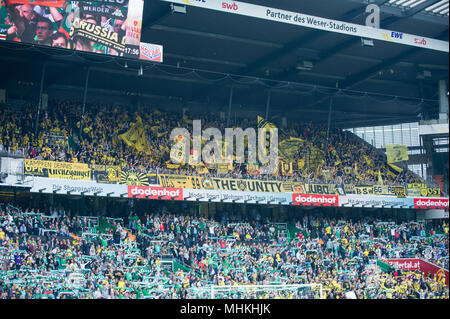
[(76, 187)]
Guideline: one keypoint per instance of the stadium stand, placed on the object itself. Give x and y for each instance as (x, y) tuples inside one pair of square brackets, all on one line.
[(49, 253), (93, 205), (346, 159)]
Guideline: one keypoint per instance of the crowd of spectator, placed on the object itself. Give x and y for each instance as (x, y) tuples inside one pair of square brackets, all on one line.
[(51, 254), (66, 134)]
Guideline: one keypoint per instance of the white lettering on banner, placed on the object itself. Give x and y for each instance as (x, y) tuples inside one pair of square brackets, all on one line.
[(237, 196), (405, 265), (73, 187), (233, 197), (277, 199), (155, 192), (255, 198), (427, 203), (350, 200), (311, 199), (278, 15)]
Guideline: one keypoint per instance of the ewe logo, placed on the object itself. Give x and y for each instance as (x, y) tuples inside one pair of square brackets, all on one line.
[(393, 35)]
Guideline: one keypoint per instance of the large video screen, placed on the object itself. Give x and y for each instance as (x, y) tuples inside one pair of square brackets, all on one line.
[(110, 27)]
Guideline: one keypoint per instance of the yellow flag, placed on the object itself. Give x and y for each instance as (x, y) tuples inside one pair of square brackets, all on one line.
[(178, 152), (301, 164), (135, 137), (262, 123), (396, 153), (290, 147), (368, 160), (286, 168), (222, 168), (380, 178), (202, 169), (172, 165), (394, 170)]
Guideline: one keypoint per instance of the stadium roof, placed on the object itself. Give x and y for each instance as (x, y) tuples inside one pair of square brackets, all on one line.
[(207, 52)]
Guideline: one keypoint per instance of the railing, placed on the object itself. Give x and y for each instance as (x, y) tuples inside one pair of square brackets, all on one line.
[(19, 153)]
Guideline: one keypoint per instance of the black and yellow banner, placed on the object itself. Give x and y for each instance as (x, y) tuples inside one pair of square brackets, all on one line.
[(230, 184), (290, 148), (422, 190), (177, 181), (138, 179), (170, 165), (107, 174), (287, 169), (317, 189), (374, 190), (52, 169), (222, 168), (268, 140), (201, 168), (394, 170), (321, 189), (349, 188), (400, 191)]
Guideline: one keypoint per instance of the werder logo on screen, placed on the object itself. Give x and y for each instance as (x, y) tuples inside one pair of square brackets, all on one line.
[(106, 11)]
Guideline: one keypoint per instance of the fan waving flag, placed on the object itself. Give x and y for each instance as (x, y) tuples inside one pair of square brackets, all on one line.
[(396, 153)]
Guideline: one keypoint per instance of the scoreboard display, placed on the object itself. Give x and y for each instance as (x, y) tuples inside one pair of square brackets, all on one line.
[(111, 27)]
